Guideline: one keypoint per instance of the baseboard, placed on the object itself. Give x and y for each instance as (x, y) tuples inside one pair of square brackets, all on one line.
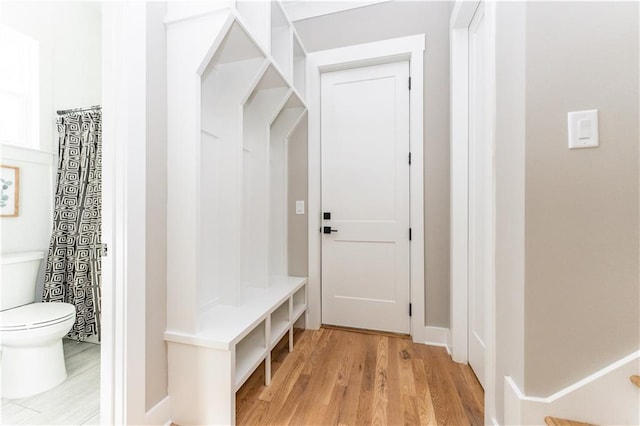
[(605, 397), (159, 414), (435, 336)]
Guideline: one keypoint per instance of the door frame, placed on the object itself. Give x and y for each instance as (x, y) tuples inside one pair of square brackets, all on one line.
[(461, 18), (124, 109), (392, 50)]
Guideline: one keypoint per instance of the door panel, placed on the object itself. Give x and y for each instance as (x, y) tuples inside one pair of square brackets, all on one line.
[(365, 187)]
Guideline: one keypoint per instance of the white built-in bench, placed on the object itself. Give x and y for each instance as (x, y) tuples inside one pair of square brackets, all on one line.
[(235, 340)]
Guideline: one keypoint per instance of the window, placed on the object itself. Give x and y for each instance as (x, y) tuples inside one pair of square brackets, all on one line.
[(19, 89)]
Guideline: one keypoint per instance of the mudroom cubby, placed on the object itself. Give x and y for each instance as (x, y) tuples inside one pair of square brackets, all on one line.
[(279, 324), (281, 39), (234, 102), (299, 66)]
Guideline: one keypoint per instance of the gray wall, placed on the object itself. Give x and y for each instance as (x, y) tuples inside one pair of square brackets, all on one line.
[(298, 228), (566, 221), (582, 291), (397, 19), (156, 208)]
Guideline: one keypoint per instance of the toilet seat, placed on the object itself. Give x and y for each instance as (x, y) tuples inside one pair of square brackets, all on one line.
[(35, 315)]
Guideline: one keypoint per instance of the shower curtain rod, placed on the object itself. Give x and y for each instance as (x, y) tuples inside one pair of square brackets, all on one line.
[(65, 111)]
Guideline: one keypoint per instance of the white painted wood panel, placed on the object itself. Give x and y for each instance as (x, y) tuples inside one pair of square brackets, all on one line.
[(480, 195), (365, 187)]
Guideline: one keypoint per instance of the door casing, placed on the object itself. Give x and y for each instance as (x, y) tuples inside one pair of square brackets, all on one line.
[(404, 48), (461, 17)]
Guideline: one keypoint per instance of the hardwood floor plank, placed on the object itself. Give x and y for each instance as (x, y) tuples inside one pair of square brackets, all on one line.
[(285, 414), (438, 401), (319, 340), (381, 384), (406, 357), (423, 394), (350, 378), (555, 421), (365, 401), (455, 410), (473, 410), (346, 364), (324, 388), (334, 408), (395, 409), (349, 408), (336, 349), (411, 413), (284, 379)]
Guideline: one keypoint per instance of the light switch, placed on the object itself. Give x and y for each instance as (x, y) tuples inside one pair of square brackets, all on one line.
[(583, 129), (299, 207)]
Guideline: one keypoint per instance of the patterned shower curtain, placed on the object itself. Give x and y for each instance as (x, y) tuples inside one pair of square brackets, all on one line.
[(73, 272)]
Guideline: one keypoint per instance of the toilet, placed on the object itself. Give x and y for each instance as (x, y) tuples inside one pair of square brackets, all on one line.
[(30, 333)]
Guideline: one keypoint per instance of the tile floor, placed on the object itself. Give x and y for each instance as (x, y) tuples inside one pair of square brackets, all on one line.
[(74, 402)]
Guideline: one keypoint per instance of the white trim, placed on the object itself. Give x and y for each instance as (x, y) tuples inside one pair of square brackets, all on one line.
[(460, 175), (182, 12), (159, 414), (437, 336), (577, 385), (112, 397), (589, 399), (385, 51), (124, 156), (490, 290), (28, 155), (461, 18), (298, 10)]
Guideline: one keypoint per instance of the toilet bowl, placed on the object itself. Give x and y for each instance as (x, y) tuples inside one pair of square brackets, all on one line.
[(30, 333)]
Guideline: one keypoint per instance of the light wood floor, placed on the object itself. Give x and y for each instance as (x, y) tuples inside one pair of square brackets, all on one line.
[(343, 377), (74, 402)]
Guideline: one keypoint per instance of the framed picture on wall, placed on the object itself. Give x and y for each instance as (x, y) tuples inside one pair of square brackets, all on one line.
[(9, 191)]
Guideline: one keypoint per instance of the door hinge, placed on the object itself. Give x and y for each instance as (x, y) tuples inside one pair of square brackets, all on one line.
[(409, 234), (409, 158), (410, 312), (409, 83)]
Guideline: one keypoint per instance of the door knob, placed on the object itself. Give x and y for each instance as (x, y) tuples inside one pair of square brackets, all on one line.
[(328, 230)]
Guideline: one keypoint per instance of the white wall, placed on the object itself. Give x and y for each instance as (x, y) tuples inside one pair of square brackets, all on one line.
[(69, 34), (32, 228)]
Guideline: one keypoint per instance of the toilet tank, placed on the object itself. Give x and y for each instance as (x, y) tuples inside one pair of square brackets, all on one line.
[(18, 273)]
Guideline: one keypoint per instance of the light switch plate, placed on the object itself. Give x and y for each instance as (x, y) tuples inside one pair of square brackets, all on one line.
[(583, 129), (300, 207)]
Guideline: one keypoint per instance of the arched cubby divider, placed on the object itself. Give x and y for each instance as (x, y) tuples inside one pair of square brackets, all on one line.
[(233, 104)]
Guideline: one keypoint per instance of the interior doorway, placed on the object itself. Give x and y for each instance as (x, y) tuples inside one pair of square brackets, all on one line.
[(52, 133)]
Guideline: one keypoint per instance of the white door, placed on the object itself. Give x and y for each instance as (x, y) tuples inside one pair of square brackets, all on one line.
[(480, 194), (365, 189)]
